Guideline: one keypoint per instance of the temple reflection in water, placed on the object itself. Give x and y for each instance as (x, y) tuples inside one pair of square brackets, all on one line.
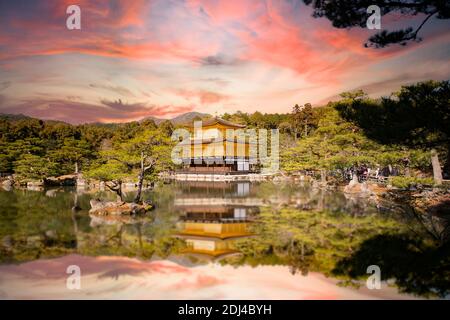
[(214, 215)]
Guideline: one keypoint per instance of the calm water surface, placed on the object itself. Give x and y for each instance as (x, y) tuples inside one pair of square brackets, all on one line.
[(214, 240)]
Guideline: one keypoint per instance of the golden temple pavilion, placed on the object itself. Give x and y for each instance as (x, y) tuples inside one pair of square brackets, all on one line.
[(220, 147)]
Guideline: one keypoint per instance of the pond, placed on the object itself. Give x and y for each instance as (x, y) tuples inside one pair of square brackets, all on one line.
[(218, 240)]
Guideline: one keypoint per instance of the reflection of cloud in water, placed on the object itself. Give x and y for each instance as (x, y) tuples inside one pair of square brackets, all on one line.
[(125, 278)]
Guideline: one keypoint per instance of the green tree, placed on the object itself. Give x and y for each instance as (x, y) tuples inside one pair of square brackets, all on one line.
[(335, 145), (5, 163), (307, 118), (144, 155), (112, 173), (338, 144), (295, 120), (73, 152), (416, 117), (166, 127), (32, 167)]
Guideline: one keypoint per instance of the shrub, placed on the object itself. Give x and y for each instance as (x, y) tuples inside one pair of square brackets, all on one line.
[(407, 182)]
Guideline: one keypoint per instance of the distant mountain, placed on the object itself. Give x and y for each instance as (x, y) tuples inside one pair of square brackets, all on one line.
[(17, 117), (189, 117), (184, 118), (13, 117)]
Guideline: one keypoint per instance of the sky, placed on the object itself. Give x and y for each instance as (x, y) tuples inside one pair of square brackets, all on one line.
[(162, 58)]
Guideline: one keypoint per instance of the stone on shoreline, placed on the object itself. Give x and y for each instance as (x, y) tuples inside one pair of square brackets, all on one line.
[(8, 183), (35, 185), (357, 188), (80, 182), (105, 208)]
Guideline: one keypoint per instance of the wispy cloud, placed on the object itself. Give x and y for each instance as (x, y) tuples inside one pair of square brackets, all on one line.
[(4, 85), (248, 54), (115, 89)]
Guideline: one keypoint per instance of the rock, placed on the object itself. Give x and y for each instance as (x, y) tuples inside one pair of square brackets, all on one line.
[(35, 185), (7, 242), (106, 208), (51, 234), (129, 185), (357, 188), (8, 183), (81, 183), (50, 193), (33, 241)]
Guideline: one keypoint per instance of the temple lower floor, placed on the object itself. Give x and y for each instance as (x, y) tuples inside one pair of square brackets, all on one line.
[(241, 166)]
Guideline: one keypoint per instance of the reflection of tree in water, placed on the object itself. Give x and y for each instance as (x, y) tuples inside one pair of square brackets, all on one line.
[(418, 258), (131, 237), (343, 246), (305, 196), (328, 234), (34, 225), (37, 225), (436, 227), (298, 256), (418, 267), (335, 236), (134, 236)]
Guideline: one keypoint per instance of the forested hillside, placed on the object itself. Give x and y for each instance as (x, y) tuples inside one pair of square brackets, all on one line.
[(400, 130)]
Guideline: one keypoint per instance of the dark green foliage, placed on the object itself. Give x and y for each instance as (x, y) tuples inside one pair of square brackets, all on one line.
[(399, 130), (419, 268), (35, 149), (418, 116), (257, 119), (349, 14)]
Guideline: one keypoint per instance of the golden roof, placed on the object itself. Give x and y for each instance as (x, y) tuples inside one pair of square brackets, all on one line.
[(217, 120)]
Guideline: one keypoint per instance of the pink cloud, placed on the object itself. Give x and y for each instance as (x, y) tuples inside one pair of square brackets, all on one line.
[(172, 43), (197, 282), (266, 30), (269, 36), (203, 96)]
